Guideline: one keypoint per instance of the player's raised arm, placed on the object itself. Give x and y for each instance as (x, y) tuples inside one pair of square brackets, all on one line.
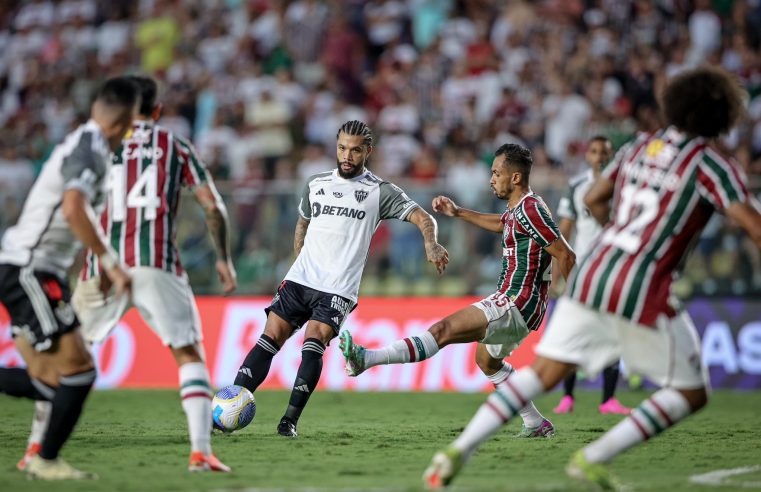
[(598, 198), (446, 206), (219, 228), (748, 216), (81, 218), (434, 252)]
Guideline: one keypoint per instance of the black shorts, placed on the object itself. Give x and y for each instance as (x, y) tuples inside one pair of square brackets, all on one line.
[(39, 304), (298, 304)]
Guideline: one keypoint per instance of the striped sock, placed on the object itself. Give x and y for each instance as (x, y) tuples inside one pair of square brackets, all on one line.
[(66, 408), (307, 377), (257, 363), (663, 409), (412, 349), (530, 415), (196, 394), (499, 408)]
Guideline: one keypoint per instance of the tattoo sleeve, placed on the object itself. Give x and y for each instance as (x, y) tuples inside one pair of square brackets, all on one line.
[(427, 225), (299, 235), (219, 227)]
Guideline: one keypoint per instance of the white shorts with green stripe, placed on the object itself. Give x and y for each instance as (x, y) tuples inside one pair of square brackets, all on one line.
[(667, 354), (164, 300), (506, 329)]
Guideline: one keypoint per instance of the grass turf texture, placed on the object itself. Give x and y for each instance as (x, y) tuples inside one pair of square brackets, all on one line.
[(136, 440)]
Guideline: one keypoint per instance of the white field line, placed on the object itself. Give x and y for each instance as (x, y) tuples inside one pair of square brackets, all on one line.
[(719, 477)]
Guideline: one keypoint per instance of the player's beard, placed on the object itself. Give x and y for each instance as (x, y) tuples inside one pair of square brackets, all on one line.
[(355, 170)]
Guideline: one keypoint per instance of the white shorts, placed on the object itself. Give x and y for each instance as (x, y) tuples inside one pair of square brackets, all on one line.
[(668, 354), (163, 299), (506, 329)]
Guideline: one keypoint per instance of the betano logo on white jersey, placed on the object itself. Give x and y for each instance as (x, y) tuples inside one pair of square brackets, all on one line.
[(343, 215)]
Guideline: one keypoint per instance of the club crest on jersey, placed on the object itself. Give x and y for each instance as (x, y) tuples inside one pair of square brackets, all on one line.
[(337, 194), (360, 195)]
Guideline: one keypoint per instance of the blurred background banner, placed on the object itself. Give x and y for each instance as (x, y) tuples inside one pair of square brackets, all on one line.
[(133, 357)]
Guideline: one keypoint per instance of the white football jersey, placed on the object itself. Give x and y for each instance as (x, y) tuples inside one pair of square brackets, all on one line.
[(41, 238), (572, 207), (343, 215)]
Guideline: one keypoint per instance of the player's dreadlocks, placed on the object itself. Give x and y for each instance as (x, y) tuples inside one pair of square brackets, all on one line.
[(356, 127)]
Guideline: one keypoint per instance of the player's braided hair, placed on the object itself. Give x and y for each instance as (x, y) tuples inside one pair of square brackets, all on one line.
[(356, 127)]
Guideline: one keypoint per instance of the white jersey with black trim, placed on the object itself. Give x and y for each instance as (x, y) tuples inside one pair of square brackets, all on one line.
[(41, 238), (572, 207), (343, 215)]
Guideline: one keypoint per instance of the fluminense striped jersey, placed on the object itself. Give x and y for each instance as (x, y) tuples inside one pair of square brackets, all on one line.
[(526, 274), (666, 188), (147, 174)]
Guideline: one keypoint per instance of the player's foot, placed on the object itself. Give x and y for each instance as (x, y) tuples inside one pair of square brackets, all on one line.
[(31, 451), (353, 353), (614, 406), (444, 466), (200, 462), (57, 469), (565, 405), (545, 429), (287, 428), (592, 473)]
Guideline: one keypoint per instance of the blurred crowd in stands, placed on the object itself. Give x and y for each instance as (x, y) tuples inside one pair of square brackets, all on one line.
[(261, 86)]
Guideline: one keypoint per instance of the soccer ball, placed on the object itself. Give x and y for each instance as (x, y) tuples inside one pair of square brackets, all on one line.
[(233, 408)]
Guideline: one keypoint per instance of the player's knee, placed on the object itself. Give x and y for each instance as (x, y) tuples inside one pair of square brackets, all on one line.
[(278, 332), (442, 332), (186, 355), (697, 399)]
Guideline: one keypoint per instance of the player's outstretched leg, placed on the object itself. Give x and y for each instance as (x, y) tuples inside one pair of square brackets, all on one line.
[(257, 363), (609, 402), (566, 403), (413, 349), (40, 422), (307, 378)]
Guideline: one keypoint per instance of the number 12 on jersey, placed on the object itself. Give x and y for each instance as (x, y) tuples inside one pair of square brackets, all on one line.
[(143, 193)]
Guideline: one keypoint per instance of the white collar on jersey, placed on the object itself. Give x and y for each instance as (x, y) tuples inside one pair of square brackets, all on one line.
[(357, 178)]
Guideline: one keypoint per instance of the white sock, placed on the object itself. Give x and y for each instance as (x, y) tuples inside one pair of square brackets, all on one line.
[(412, 349), (654, 415), (499, 408), (530, 415), (40, 421), (196, 394)]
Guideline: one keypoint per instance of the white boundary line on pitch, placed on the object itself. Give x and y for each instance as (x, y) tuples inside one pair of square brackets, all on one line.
[(718, 477), (550, 487)]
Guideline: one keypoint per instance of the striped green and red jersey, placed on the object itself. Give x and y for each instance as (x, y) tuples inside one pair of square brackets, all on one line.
[(666, 187), (525, 278), (147, 175)]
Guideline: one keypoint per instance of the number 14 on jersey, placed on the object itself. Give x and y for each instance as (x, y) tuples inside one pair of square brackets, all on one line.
[(142, 195)]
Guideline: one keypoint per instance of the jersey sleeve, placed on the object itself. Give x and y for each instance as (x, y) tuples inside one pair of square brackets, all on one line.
[(534, 218), (566, 207), (721, 181), (84, 168), (305, 206), (194, 171), (394, 202)]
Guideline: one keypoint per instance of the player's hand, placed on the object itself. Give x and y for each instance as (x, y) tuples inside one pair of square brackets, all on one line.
[(437, 255), (227, 276), (444, 205), (120, 280)]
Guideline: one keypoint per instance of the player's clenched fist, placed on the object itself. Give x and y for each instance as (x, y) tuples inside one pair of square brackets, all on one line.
[(445, 205)]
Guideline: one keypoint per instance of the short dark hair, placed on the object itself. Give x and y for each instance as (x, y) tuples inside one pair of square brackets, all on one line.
[(600, 138), (516, 156), (148, 91), (119, 91), (706, 101), (356, 127)]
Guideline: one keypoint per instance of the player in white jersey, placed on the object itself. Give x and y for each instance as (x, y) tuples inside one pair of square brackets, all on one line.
[(575, 216), (57, 219), (160, 288), (339, 213)]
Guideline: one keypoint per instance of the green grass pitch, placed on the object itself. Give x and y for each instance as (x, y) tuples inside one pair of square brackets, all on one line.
[(136, 440)]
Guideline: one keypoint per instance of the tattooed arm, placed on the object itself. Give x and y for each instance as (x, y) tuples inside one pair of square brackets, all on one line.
[(299, 235), (219, 229), (435, 252)]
